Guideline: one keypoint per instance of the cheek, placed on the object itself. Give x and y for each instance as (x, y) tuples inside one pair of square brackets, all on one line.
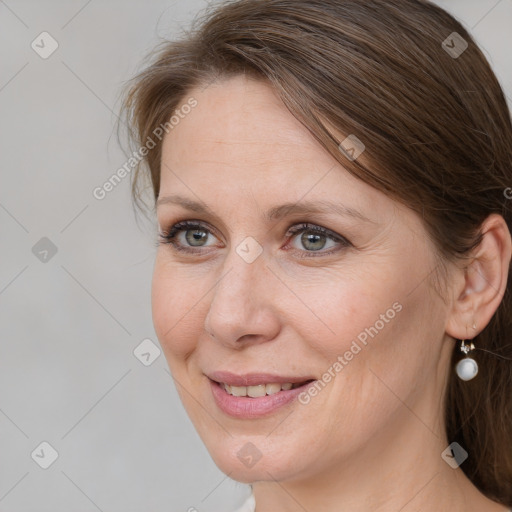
[(342, 307), (175, 303), (384, 336), (373, 323)]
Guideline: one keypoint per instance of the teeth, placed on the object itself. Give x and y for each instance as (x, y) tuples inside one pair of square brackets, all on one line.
[(256, 391), (259, 390), (271, 389)]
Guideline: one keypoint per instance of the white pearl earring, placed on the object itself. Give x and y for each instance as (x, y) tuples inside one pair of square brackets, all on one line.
[(467, 367)]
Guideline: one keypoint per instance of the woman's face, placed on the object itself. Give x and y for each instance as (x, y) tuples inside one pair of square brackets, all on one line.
[(352, 309)]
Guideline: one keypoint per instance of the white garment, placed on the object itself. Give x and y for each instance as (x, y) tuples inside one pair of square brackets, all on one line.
[(249, 504)]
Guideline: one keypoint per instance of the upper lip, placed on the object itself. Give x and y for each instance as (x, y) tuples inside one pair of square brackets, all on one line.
[(254, 379)]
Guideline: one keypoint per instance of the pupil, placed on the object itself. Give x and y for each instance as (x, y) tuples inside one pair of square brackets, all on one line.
[(197, 236), (312, 238)]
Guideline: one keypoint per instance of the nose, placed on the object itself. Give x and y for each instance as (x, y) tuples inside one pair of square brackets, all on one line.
[(244, 303)]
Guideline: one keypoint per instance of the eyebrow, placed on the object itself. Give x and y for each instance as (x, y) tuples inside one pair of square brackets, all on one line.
[(274, 213)]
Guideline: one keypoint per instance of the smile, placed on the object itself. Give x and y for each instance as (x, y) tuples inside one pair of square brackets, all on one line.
[(256, 398), (261, 389)]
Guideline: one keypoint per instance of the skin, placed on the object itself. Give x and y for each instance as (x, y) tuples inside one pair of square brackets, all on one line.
[(372, 438)]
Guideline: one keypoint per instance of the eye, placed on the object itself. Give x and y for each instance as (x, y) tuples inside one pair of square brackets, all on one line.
[(185, 236), (191, 236), (315, 238)]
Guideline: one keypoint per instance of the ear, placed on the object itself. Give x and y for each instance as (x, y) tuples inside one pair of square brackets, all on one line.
[(479, 286)]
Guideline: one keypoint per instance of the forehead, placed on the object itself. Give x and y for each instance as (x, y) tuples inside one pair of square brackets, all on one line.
[(240, 136), (239, 118)]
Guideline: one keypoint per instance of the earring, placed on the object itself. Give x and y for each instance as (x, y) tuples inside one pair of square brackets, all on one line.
[(467, 367)]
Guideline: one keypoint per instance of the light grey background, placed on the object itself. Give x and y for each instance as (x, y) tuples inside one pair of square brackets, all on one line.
[(69, 326)]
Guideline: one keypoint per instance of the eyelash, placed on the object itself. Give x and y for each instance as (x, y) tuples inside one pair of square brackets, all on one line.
[(168, 237)]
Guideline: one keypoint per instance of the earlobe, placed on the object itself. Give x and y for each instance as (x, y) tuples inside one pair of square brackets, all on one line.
[(481, 288)]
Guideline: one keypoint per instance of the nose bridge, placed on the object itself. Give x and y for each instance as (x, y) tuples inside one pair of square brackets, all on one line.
[(241, 303)]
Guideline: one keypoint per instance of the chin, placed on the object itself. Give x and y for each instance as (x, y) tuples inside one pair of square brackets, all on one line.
[(247, 461)]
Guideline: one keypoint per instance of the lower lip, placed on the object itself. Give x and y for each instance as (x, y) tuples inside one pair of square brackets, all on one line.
[(247, 407)]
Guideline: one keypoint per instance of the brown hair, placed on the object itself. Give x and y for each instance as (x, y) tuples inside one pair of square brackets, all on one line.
[(436, 126)]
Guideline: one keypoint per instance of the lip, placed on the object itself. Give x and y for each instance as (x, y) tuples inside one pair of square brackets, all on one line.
[(254, 379), (244, 407)]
